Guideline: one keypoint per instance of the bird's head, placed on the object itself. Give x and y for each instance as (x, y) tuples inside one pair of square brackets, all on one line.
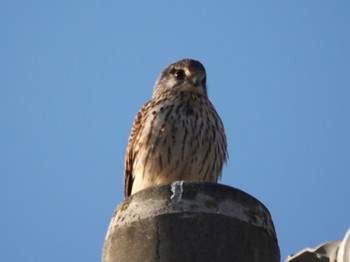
[(186, 75)]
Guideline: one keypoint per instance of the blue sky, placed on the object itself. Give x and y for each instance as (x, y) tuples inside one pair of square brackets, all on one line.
[(75, 73)]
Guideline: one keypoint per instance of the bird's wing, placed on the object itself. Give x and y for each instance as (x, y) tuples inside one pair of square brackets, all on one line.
[(130, 150)]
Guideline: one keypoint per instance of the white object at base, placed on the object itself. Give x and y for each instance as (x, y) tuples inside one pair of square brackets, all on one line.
[(344, 249), (333, 251)]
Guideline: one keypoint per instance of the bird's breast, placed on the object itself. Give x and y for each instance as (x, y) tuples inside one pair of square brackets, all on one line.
[(180, 141)]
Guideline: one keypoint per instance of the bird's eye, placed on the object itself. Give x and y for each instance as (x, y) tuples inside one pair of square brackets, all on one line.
[(179, 74)]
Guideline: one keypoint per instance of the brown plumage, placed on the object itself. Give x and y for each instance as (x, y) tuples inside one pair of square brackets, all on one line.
[(177, 135)]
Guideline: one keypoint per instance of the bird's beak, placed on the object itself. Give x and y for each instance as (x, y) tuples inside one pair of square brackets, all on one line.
[(194, 80)]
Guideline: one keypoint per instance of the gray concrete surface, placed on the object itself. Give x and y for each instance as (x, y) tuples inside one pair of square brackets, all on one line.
[(188, 221)]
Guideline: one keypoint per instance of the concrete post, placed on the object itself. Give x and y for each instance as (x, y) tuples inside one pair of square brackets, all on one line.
[(188, 221)]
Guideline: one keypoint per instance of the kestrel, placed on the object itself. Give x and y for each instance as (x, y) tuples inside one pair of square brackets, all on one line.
[(177, 135)]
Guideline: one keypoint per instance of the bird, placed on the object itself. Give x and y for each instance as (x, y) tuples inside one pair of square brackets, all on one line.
[(177, 135)]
